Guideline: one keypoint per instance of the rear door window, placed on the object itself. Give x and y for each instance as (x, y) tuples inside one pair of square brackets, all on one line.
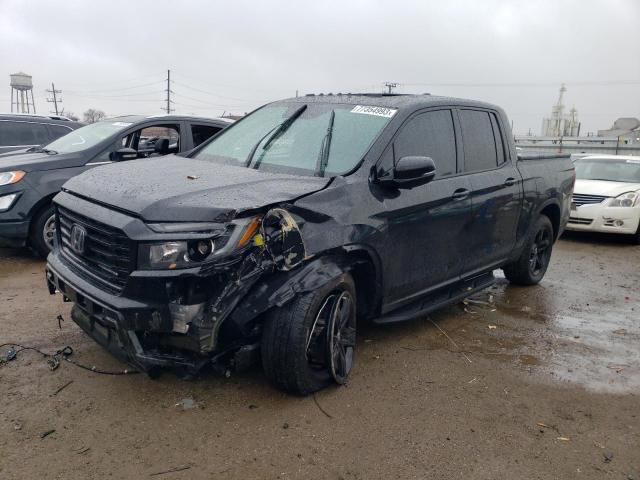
[(22, 134), (200, 133), (429, 134), (480, 152)]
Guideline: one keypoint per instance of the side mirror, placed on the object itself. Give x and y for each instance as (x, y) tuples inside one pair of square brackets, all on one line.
[(410, 172), (123, 154)]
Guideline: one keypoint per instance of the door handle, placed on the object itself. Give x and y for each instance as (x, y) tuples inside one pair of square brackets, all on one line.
[(460, 194), (510, 182)]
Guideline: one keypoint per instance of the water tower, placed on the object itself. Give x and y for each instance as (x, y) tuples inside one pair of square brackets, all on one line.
[(21, 86)]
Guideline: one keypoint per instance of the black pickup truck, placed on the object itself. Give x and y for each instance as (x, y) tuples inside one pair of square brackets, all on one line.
[(273, 237), (30, 178)]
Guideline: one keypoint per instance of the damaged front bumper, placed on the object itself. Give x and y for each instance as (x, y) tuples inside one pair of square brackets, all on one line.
[(146, 334)]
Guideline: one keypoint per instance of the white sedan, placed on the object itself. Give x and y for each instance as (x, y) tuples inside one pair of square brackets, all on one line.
[(606, 197)]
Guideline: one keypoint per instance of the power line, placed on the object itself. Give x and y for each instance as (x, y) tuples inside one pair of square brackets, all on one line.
[(132, 87), (213, 94), (55, 99)]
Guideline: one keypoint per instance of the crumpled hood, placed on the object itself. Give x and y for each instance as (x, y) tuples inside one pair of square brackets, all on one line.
[(172, 188), (603, 187), (32, 162)]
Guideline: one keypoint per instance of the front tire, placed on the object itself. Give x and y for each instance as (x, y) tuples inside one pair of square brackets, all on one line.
[(310, 342), (42, 232), (534, 260)]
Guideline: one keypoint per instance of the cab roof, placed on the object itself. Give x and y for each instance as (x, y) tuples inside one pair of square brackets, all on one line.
[(394, 100), (168, 118)]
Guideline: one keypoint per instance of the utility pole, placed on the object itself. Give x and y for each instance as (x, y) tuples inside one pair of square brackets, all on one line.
[(55, 100), (168, 108), (390, 86)]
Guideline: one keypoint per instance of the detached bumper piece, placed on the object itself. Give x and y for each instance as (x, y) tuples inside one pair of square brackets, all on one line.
[(105, 326)]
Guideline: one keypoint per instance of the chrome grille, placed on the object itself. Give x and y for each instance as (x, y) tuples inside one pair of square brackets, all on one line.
[(581, 199), (108, 256)]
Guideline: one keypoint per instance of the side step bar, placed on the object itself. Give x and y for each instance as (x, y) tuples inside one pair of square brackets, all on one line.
[(438, 299)]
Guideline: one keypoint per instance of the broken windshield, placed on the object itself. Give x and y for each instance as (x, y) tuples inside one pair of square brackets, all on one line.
[(297, 148)]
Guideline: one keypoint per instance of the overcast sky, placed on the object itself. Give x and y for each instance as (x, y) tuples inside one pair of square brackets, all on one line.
[(236, 55)]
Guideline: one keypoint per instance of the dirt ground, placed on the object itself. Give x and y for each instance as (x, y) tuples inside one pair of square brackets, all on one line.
[(540, 383)]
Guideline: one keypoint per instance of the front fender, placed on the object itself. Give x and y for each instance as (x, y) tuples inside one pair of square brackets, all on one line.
[(281, 287)]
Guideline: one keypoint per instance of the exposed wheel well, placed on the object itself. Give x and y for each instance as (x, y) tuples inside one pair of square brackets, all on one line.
[(365, 276), (553, 213), (42, 204)]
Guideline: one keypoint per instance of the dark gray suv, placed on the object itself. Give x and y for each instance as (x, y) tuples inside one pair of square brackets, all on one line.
[(23, 131), (30, 180)]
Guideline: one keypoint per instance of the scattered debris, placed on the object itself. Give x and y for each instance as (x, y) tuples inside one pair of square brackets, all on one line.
[(252, 406), (320, 407), (17, 426), (193, 177), (620, 331), (47, 433), (285, 425), (479, 302), (61, 388), (451, 340), (492, 327), (171, 470), (617, 368), (473, 380), (608, 456), (60, 320), (564, 439), (82, 450), (9, 355), (187, 403)]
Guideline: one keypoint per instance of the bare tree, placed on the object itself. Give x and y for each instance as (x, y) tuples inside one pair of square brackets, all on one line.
[(70, 115), (92, 115)]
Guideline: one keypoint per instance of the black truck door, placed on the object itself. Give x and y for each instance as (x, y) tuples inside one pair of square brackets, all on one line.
[(426, 225), (496, 190)]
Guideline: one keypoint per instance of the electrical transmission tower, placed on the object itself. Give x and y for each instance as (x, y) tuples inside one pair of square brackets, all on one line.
[(168, 108), (390, 86), (55, 100)]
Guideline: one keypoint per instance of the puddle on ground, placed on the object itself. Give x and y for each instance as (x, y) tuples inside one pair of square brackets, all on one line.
[(594, 343)]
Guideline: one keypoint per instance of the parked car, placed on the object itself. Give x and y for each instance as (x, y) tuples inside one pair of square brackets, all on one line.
[(19, 132), (29, 181), (607, 195), (308, 213)]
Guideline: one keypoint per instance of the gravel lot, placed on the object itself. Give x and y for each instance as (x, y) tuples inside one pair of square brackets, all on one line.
[(541, 383)]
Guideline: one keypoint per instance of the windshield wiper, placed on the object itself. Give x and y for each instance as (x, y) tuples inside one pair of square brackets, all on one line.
[(273, 134), (41, 150), (323, 156)]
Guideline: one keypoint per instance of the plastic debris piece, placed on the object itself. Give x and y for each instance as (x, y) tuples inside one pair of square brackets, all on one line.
[(492, 327), (10, 355), (187, 403), (564, 439)]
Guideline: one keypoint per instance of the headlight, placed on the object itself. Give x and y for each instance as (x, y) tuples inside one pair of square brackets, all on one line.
[(629, 199), (7, 178), (191, 253), (6, 201)]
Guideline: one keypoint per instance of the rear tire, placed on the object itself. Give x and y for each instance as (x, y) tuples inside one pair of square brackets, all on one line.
[(42, 231), (299, 353), (533, 262)]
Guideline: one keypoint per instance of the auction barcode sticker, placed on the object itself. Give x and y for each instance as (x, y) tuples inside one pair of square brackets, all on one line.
[(378, 111)]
